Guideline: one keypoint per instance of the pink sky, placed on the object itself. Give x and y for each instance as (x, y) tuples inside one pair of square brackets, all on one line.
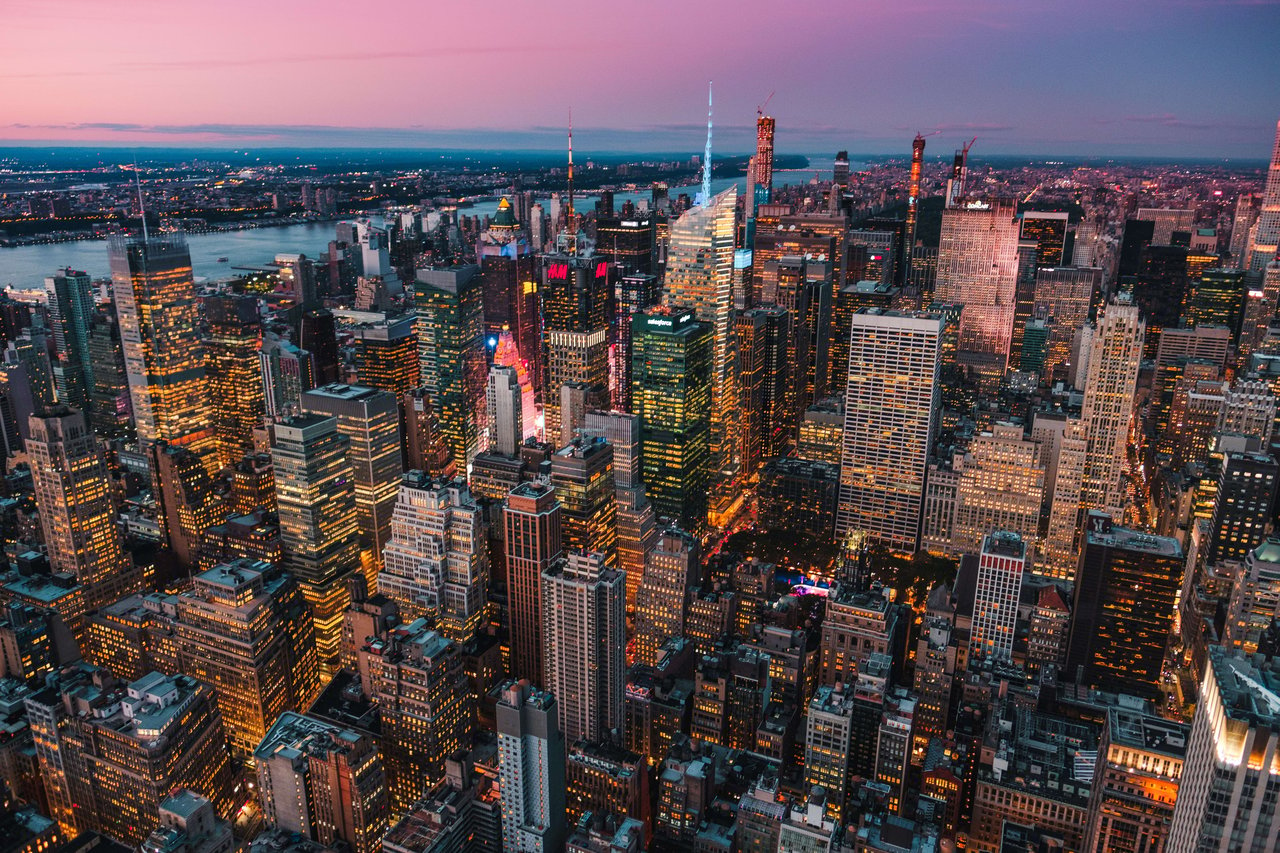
[(1196, 75)]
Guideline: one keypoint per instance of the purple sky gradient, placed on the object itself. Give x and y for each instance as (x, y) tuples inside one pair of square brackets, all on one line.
[(1124, 77)]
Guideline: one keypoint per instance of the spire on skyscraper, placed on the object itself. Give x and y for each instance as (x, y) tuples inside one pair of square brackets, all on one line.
[(705, 196)]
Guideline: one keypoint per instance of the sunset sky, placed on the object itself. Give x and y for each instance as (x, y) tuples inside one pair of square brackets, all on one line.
[(1125, 77)]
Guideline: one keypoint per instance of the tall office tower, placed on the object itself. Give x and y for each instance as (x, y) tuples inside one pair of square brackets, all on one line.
[(582, 475), (891, 413), (1001, 565), (71, 309), (370, 420), (110, 752), (1049, 229), (977, 268), (1064, 296), (1261, 300), (316, 500), (1254, 602), (764, 384), (436, 564), (699, 279), (1266, 237), (287, 371), (637, 533), (418, 681), (827, 744), (804, 289), (1248, 205), (1140, 761), (1249, 410), (627, 242), (634, 293), (1242, 508), (77, 510), (449, 304), (1165, 222), (186, 502), (387, 355), (235, 385), (1109, 395), (505, 405), (1229, 777), (622, 431), (584, 644), (508, 268), (1124, 607), (532, 518), (671, 376), (935, 672), (1217, 298), (164, 356), (761, 177), (821, 437), (1066, 451), (531, 770), (840, 170), (1001, 488), (110, 409), (671, 570), (913, 191), (425, 447), (243, 629), (322, 781), (575, 332)]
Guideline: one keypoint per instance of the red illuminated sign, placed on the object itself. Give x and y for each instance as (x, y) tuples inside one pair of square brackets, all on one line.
[(602, 269), (557, 272)]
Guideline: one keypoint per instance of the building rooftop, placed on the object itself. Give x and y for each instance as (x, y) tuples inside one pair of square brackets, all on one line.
[(1249, 687), (1143, 731)]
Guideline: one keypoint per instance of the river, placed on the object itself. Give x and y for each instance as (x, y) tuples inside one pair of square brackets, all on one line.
[(25, 267)]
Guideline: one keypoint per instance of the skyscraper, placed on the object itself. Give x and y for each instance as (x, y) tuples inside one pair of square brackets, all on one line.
[(699, 279), (532, 517), (764, 383), (575, 334), (531, 769), (584, 643), (1001, 565), (913, 191), (827, 744), (416, 678), (110, 752), (1266, 238), (323, 782), (670, 574), (582, 474), (77, 511), (387, 355), (436, 564), (762, 175), (315, 496), (186, 503), (891, 407), (1001, 485), (370, 420), (1231, 772), (1140, 762), (235, 386), (506, 411), (164, 356), (1064, 296), (449, 304), (71, 309), (1109, 395), (1124, 606), (977, 268), (243, 629), (634, 293), (1254, 598)]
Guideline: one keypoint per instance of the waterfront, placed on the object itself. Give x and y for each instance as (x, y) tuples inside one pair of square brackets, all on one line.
[(25, 267)]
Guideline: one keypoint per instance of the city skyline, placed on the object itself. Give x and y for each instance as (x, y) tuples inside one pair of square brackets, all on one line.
[(1127, 85)]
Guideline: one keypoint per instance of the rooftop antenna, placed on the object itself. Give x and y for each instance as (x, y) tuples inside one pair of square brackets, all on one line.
[(706, 157), (141, 210), (571, 225)]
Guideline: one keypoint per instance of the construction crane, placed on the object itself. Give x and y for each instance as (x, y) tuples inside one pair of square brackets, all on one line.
[(760, 109)]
